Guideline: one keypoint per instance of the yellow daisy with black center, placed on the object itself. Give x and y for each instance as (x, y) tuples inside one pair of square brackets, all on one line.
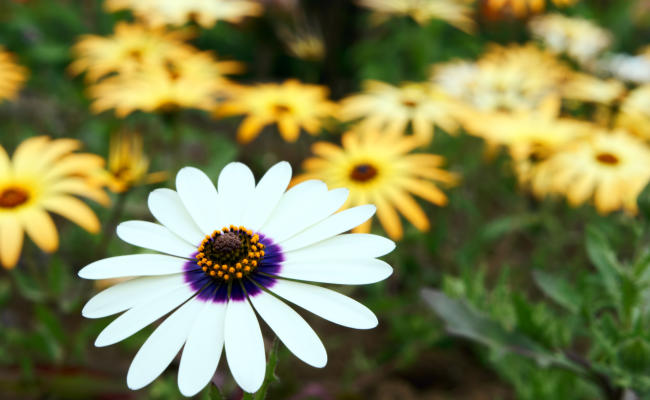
[(381, 169), (610, 168), (44, 176), (291, 105)]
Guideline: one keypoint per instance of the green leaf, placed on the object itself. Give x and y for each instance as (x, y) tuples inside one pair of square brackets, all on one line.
[(634, 355), (558, 290), (604, 259), (462, 320)]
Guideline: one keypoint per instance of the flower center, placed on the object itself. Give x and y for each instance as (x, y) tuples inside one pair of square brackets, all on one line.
[(12, 197), (230, 253), (363, 172), (607, 158), (408, 103), (281, 109)]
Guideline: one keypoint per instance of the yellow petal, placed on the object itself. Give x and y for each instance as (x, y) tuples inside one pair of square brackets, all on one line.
[(5, 163), (426, 190), (249, 129), (41, 229), (11, 241), (73, 209), (29, 152), (288, 127), (388, 218), (410, 209)]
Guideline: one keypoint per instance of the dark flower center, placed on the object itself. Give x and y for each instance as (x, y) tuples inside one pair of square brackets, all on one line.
[(607, 158), (363, 172), (230, 253), (409, 103), (280, 109), (12, 197)]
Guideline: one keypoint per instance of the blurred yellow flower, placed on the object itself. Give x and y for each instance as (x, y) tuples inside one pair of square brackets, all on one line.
[(579, 38), (455, 12), (528, 133), (612, 168), (588, 88), (292, 105), (44, 176), (520, 8), (131, 47), (178, 12), (516, 77), (634, 113), (387, 108), (12, 75), (379, 168), (306, 44), (128, 166), (195, 80)]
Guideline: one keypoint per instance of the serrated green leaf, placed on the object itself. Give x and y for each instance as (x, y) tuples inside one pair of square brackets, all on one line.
[(462, 320), (604, 259)]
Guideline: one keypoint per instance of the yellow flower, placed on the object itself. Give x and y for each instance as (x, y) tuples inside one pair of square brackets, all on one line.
[(44, 175), (292, 105), (455, 12), (12, 75), (521, 8), (306, 44), (193, 81), (380, 169), (612, 168), (634, 114), (588, 88), (390, 109), (131, 47), (128, 166), (176, 12), (530, 133), (516, 77), (580, 38)]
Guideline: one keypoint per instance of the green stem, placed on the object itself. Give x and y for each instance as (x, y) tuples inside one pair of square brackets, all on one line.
[(270, 372), (111, 223)]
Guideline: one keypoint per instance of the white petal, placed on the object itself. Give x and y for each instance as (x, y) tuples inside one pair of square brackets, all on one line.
[(142, 315), (202, 350), (199, 197), (155, 237), (161, 347), (344, 272), (310, 213), (244, 346), (130, 293), (337, 223), (299, 197), (133, 265), (292, 330), (327, 304), (236, 187), (267, 195), (346, 246), (167, 207)]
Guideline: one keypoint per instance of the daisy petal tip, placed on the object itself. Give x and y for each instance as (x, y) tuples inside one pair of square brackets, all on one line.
[(188, 389)]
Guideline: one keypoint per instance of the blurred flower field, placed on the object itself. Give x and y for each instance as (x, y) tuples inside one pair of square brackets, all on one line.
[(333, 200)]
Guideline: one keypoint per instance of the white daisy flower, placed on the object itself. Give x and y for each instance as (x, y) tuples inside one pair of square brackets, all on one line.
[(230, 252)]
